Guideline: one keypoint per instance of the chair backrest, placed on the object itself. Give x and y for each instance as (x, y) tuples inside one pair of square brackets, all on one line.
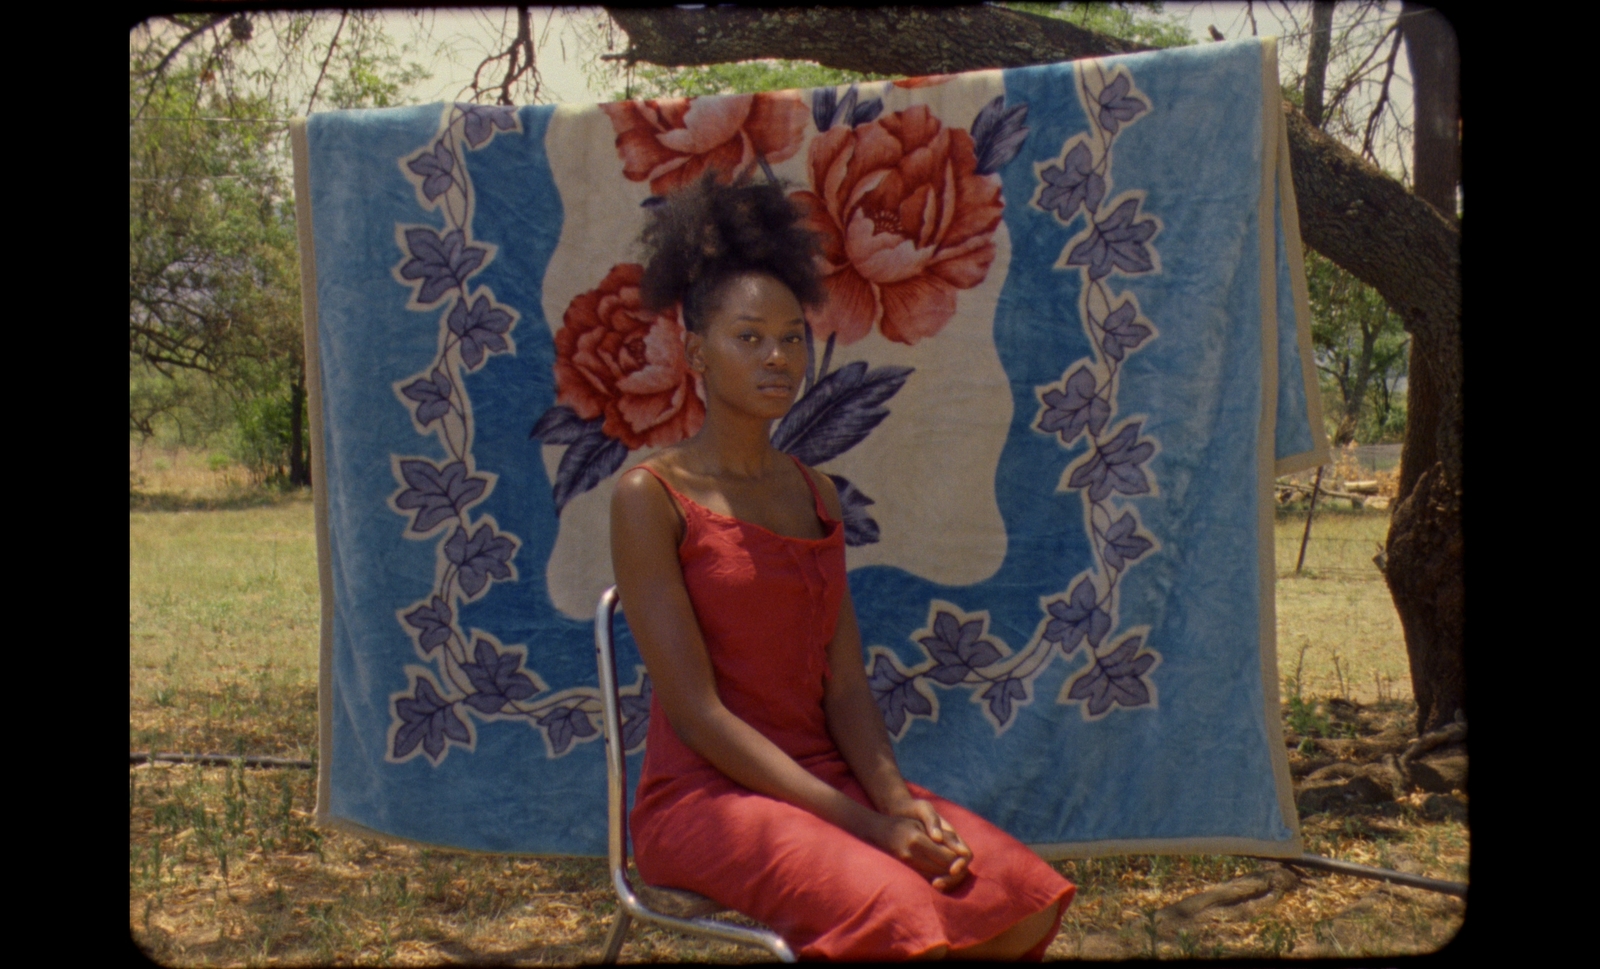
[(611, 722)]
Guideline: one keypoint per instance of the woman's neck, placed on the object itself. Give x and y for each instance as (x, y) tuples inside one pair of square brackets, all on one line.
[(734, 446)]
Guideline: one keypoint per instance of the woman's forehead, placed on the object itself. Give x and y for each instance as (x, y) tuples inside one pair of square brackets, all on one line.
[(757, 297)]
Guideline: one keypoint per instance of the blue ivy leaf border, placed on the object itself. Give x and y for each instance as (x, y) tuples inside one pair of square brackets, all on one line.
[(471, 676), (1116, 238)]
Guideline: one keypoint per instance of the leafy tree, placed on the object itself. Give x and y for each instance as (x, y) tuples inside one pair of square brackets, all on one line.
[(213, 280), (215, 344), (1361, 351)]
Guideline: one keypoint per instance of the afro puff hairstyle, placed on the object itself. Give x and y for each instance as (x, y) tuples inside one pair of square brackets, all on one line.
[(705, 233)]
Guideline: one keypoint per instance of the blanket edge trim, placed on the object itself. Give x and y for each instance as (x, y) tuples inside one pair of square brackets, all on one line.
[(1293, 246), (310, 319), (1272, 158)]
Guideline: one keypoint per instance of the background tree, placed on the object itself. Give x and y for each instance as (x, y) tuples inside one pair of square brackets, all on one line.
[(1360, 348), (1360, 345), (1140, 23), (1424, 562), (212, 270), (215, 346)]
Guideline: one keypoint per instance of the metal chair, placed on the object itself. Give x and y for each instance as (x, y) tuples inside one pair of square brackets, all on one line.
[(668, 907)]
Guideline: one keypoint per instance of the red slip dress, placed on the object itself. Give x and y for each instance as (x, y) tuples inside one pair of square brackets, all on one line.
[(767, 605)]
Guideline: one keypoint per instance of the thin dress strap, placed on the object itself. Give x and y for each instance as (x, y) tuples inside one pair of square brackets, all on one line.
[(822, 510), (684, 503)]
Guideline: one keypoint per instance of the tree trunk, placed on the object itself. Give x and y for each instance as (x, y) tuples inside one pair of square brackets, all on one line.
[(1350, 211), (1435, 79), (1355, 387), (299, 467), (1317, 60), (1424, 564)]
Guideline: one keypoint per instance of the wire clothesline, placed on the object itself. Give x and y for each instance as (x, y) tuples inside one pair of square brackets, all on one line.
[(220, 120), (212, 178)]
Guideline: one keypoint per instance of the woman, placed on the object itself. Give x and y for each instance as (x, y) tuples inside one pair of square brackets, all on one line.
[(769, 782)]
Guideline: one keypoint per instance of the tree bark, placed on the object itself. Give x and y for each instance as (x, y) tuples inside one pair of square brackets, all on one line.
[(1435, 79), (1350, 211), (873, 40), (1424, 565), (1317, 60)]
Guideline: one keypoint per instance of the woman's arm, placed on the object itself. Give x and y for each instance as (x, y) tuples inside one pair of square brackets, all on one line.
[(645, 533), (856, 725)]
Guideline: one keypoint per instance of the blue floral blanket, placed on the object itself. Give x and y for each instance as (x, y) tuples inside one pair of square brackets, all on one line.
[(1065, 352)]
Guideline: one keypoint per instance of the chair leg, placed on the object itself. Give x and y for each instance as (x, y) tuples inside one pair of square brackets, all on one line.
[(614, 939)]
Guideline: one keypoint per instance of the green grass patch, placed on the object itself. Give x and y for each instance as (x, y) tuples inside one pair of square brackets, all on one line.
[(223, 626)]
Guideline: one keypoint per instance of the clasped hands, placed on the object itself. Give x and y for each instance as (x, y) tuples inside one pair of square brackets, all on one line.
[(913, 832)]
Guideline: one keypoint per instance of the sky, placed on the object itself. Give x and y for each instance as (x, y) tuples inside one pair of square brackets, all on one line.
[(467, 34)]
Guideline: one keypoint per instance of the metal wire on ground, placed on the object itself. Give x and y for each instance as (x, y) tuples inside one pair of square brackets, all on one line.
[(219, 760)]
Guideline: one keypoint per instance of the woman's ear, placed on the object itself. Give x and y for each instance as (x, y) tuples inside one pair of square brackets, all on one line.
[(694, 350)]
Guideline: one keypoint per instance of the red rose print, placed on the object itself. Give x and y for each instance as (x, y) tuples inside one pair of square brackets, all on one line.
[(616, 358), (904, 219), (671, 141), (925, 80)]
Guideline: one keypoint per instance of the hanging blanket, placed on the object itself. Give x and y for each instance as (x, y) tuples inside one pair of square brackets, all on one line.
[(1065, 352)]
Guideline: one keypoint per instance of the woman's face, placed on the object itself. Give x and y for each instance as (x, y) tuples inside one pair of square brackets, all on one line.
[(752, 350)]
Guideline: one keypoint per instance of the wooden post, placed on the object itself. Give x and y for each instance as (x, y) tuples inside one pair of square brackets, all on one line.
[(1315, 487)]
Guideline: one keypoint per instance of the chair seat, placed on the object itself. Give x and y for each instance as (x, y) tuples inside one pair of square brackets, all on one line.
[(675, 901)]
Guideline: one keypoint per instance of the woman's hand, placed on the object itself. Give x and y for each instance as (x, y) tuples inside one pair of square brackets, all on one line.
[(915, 834)]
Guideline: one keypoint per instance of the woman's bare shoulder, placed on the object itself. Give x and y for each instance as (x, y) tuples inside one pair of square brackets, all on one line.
[(640, 501), (639, 490)]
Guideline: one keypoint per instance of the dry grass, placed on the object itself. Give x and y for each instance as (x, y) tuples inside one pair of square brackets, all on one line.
[(1324, 915), (1338, 610), (180, 479), (225, 867)]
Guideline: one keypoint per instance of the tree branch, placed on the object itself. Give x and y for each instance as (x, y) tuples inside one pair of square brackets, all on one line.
[(520, 63), (183, 42), (155, 73), (876, 40), (1356, 75), (1383, 98), (323, 72), (1317, 60)]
